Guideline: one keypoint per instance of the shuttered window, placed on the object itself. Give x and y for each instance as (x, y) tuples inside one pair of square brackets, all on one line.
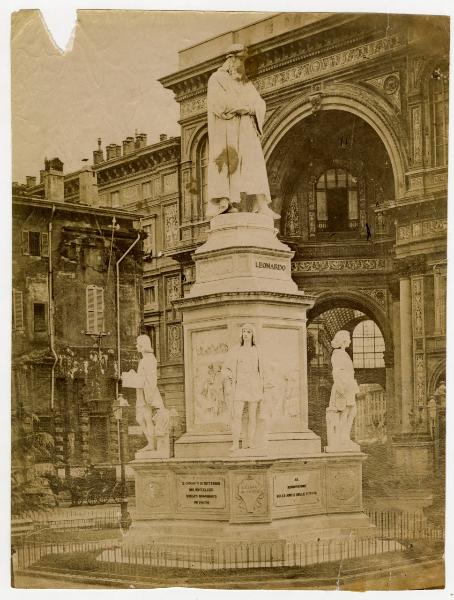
[(35, 243), (18, 311), (95, 309)]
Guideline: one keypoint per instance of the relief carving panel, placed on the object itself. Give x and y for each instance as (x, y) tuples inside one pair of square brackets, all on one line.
[(209, 351)]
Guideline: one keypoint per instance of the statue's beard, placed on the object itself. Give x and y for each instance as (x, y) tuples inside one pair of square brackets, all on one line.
[(238, 75)]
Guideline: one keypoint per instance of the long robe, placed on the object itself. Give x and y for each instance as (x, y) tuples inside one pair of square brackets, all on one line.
[(236, 163), (345, 387)]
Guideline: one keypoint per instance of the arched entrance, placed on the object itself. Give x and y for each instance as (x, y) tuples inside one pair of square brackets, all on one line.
[(328, 174), (348, 101)]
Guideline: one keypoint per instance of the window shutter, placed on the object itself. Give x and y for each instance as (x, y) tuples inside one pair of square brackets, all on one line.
[(44, 244), (99, 310), (91, 315), (25, 245), (18, 310)]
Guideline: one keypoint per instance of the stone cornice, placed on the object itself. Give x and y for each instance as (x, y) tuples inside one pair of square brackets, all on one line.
[(301, 70), (76, 208), (281, 51), (147, 159), (413, 265), (233, 297)]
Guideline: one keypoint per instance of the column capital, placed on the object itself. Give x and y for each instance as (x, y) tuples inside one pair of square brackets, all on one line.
[(406, 267)]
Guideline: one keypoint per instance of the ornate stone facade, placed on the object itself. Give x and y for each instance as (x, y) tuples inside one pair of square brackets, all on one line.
[(381, 96)]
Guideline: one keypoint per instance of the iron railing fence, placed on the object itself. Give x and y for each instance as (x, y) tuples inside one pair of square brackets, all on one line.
[(394, 532), (125, 559), (405, 526)]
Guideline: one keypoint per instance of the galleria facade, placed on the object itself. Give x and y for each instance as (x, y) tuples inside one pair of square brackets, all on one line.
[(355, 142)]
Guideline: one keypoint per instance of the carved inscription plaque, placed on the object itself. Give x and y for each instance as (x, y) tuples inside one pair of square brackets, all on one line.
[(200, 491), (296, 488)]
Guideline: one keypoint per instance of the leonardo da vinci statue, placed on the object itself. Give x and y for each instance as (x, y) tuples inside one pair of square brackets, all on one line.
[(236, 165)]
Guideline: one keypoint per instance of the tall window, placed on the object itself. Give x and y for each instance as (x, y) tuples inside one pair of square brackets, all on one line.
[(149, 294), (39, 317), (203, 174), (153, 333), (95, 309), (149, 241), (368, 346), (35, 243), (337, 201), (439, 103)]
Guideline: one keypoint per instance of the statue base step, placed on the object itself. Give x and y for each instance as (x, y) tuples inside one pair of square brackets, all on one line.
[(219, 445), (214, 503), (348, 447)]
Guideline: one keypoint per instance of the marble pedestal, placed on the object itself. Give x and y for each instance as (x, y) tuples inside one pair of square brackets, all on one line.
[(243, 275), (284, 489)]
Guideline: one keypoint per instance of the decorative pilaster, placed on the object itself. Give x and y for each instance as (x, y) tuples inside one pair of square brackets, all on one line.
[(397, 368), (420, 400), (439, 302), (292, 219), (406, 357)]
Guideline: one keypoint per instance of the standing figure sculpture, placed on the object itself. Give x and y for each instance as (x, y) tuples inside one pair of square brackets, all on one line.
[(151, 414), (244, 373), (236, 165), (341, 411)]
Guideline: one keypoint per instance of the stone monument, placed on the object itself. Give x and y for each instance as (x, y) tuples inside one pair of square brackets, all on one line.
[(240, 473), (247, 468)]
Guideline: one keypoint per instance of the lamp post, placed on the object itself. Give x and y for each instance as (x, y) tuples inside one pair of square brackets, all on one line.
[(119, 404)]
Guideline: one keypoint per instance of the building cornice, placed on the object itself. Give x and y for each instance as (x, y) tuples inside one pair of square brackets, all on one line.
[(280, 51), (37, 202)]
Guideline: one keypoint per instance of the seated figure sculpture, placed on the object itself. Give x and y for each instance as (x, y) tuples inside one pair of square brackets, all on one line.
[(341, 411), (151, 414)]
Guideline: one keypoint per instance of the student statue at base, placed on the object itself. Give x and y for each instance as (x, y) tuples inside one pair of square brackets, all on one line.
[(341, 411)]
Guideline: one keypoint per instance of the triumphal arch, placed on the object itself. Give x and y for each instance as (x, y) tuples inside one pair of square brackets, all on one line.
[(355, 141)]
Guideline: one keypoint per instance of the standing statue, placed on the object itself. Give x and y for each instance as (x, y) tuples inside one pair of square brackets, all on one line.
[(341, 411), (244, 374), (151, 414), (236, 165)]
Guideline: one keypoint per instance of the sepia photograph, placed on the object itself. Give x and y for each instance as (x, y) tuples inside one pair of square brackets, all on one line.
[(229, 287)]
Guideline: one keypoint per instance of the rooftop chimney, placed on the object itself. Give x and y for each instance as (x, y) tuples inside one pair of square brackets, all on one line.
[(128, 145), (141, 140), (163, 137), (41, 176), (117, 150), (110, 151), (54, 188), (98, 156), (31, 181), (88, 187)]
